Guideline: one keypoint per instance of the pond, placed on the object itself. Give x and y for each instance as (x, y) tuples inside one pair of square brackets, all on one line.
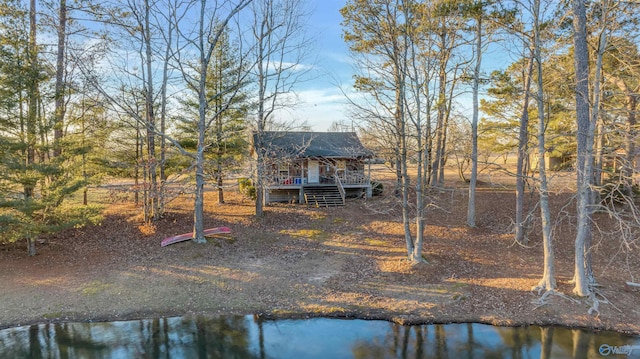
[(249, 337)]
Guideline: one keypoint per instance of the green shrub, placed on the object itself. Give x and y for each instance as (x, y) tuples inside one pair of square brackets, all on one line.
[(246, 188)]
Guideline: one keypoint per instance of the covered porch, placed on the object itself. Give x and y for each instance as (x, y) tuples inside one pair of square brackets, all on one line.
[(320, 168), (319, 171), (295, 180)]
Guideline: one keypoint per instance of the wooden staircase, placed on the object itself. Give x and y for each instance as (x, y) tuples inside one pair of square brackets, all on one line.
[(323, 196)]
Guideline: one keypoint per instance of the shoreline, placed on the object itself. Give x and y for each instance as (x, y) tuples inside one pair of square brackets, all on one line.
[(400, 319)]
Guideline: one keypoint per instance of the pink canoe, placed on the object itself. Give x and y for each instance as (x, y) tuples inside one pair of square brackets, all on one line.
[(187, 236)]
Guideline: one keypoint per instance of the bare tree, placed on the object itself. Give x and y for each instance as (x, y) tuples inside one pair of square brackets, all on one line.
[(595, 103), (279, 47), (168, 36), (379, 52), (471, 206), (418, 75), (210, 24), (152, 202), (404, 50), (585, 144), (446, 30), (137, 85), (189, 45), (341, 126), (548, 281), (487, 21), (383, 56), (522, 154)]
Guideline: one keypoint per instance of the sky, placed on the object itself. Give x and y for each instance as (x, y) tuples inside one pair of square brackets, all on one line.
[(321, 100)]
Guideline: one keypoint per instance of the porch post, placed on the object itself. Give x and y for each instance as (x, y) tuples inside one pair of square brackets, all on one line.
[(303, 177), (369, 188)]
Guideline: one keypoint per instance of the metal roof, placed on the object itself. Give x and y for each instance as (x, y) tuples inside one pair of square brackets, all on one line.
[(311, 144)]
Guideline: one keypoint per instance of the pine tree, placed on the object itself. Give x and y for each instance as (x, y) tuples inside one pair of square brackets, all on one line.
[(227, 110), (34, 183)]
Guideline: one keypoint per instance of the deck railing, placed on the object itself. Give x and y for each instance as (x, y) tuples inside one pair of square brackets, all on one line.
[(348, 178), (288, 180), (355, 177)]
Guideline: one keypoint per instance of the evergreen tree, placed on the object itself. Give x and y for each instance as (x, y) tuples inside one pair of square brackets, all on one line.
[(226, 110), (34, 182)]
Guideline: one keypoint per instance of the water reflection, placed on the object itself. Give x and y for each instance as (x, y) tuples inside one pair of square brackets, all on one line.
[(246, 337)]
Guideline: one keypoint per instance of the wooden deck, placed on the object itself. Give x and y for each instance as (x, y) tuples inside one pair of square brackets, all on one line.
[(295, 193)]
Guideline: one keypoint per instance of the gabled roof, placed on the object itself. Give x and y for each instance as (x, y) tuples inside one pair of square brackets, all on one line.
[(311, 144)]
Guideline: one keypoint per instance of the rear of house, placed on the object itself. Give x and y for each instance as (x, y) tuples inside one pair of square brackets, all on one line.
[(317, 168)]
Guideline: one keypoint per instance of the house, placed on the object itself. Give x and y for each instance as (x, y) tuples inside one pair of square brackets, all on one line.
[(317, 168)]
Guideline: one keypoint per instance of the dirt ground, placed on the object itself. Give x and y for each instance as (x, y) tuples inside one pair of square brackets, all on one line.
[(301, 262)]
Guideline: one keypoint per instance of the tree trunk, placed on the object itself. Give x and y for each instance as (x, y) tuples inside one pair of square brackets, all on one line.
[(198, 206), (220, 153), (260, 162), (32, 113), (398, 168), (443, 150), (259, 181), (150, 121), (523, 149), (471, 206), (416, 255), (630, 146), (445, 131), (401, 168), (220, 189), (163, 116), (32, 88), (137, 166), (595, 115), (59, 110), (428, 140), (85, 175), (219, 132), (146, 209), (599, 152), (440, 123), (548, 281), (400, 135), (31, 246), (421, 177), (584, 144)]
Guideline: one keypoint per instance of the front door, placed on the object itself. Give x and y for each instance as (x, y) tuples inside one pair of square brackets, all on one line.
[(314, 172)]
